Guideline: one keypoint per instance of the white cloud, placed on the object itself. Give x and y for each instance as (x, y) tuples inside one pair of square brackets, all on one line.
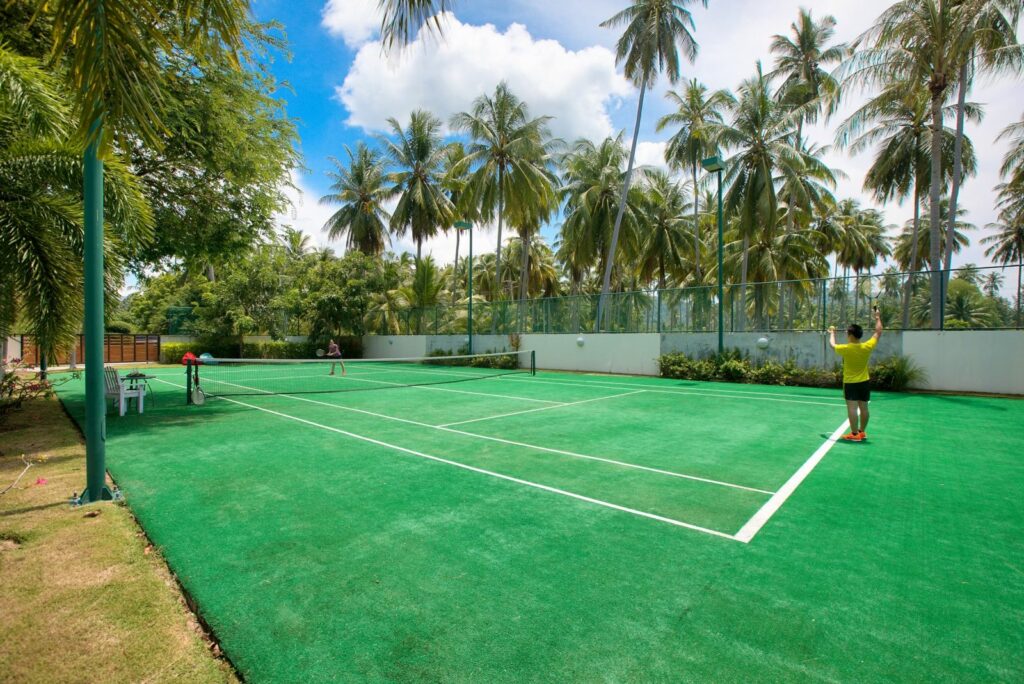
[(445, 77), (355, 21), (307, 214), (651, 154)]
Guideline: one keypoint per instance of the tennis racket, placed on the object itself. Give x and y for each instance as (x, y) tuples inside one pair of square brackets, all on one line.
[(198, 396), (320, 353)]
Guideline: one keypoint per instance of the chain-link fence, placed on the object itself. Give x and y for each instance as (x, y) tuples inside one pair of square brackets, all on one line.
[(975, 298)]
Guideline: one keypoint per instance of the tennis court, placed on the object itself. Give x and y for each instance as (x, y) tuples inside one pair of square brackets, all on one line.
[(476, 523)]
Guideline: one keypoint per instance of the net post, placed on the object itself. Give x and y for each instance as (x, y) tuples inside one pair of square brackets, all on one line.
[(188, 381), (533, 362)]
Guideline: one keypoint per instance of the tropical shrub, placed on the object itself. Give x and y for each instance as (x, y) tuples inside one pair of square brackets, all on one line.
[(894, 374)]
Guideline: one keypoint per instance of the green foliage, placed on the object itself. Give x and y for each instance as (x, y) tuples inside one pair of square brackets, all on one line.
[(213, 197), (439, 357), (894, 374), (171, 352), (18, 384)]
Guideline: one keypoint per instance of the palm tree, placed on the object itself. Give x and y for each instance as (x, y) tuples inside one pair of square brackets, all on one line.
[(925, 42), (403, 18), (455, 179), (988, 42), (507, 159), (423, 291), (799, 62), (418, 155), (361, 190), (41, 215), (296, 243), (992, 284), (656, 32), (695, 139), (904, 242), (663, 247), (592, 175), (761, 132), (1007, 246), (897, 121)]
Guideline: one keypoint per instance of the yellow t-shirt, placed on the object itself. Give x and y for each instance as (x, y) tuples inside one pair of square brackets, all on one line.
[(855, 360)]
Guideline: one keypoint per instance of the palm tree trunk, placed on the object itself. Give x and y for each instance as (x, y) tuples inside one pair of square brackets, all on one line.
[(742, 323), (610, 262), (958, 169), (909, 285), (455, 266), (419, 249), (524, 243), (935, 229), (501, 224), (696, 228), (210, 274)]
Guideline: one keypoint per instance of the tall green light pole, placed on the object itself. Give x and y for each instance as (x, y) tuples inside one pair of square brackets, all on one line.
[(95, 405), (468, 227), (716, 165)]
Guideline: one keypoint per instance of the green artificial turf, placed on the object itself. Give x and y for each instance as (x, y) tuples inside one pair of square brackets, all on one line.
[(318, 556)]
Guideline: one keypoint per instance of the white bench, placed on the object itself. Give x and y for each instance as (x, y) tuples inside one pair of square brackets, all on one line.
[(116, 389)]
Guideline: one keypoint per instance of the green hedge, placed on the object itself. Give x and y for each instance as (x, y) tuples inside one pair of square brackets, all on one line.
[(171, 352), (894, 374)]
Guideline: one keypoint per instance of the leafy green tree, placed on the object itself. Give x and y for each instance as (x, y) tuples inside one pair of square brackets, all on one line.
[(988, 45), (1006, 246), (806, 85), (664, 242), (695, 140), (361, 189), (656, 33), (507, 160), (896, 121), (225, 151), (762, 134), (592, 175), (41, 222), (966, 306), (417, 155), (927, 42)]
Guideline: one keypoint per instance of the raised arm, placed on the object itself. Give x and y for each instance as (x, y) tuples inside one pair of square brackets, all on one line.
[(832, 336), (878, 324)]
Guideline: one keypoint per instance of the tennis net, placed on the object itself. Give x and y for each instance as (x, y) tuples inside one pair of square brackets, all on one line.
[(237, 377)]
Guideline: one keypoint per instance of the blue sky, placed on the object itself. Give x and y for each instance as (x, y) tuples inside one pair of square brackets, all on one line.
[(556, 57)]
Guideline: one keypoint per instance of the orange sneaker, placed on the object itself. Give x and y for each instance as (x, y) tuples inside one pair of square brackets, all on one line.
[(863, 436), (853, 437)]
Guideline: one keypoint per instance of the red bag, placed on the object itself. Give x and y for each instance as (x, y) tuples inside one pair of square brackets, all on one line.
[(189, 356)]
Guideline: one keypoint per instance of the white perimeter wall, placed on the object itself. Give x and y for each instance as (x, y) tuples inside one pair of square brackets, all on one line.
[(954, 360), (12, 348), (394, 346), (969, 360), (635, 354)]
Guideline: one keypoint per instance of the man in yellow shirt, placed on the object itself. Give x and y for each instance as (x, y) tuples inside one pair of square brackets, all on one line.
[(856, 381)]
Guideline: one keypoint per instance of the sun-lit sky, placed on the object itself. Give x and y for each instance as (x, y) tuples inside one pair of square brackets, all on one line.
[(555, 56)]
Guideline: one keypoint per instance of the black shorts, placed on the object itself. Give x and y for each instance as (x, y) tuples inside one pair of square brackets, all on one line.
[(857, 391)]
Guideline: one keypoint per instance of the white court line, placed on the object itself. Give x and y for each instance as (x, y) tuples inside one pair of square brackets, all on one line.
[(482, 471), (542, 408), (204, 379), (680, 391), (449, 389), (754, 525), (444, 428)]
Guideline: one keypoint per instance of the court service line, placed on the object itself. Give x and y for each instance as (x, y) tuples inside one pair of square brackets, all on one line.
[(449, 389), (542, 408), (677, 392), (536, 447), (482, 471), (525, 445), (764, 514)]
